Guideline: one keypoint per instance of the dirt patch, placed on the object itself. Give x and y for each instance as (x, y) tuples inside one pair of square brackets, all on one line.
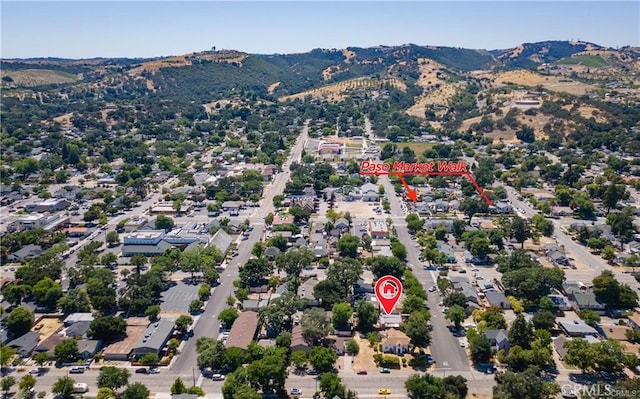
[(364, 359), (358, 209), (64, 119), (272, 87), (47, 327)]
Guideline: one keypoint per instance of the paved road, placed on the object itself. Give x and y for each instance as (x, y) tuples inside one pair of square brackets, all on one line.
[(573, 249), (446, 351), (207, 324)]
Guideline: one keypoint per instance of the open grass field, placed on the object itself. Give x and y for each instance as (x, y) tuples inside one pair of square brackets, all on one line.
[(592, 61), (417, 146)]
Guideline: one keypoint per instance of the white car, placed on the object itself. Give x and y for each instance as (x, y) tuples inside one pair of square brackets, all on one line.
[(217, 377), (296, 391), (432, 288)]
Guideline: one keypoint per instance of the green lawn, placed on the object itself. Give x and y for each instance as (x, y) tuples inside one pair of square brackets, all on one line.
[(585, 60), (417, 147)]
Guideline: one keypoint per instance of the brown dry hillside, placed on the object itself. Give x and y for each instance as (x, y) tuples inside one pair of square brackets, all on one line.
[(38, 77), (338, 91), (186, 60), (532, 79)]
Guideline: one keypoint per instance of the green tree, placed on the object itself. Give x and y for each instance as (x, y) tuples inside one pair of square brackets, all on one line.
[(579, 354), (348, 246), (66, 351), (164, 223), (299, 359), (456, 314), (107, 328), (228, 316), (425, 387), (195, 306), (342, 313), (416, 327), (63, 387), (27, 382), (480, 348), (113, 378), (183, 322), (15, 293), (472, 206), (322, 358), (345, 273), (19, 321), (40, 358), (414, 222), (178, 387), (544, 320), (524, 385), (612, 194), (589, 317), (622, 224), (367, 316), (105, 393), (520, 230), (137, 390), (521, 332), (46, 293), (352, 347), (315, 325), (152, 312), (6, 383)]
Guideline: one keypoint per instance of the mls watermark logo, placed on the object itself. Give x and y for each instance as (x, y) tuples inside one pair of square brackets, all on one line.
[(571, 391)]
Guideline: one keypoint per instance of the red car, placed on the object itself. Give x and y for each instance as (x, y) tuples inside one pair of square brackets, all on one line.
[(362, 372)]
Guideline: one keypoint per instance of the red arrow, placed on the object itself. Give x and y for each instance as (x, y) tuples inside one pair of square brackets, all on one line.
[(411, 194)]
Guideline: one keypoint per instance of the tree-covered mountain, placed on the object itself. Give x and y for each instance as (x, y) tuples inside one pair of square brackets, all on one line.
[(213, 72)]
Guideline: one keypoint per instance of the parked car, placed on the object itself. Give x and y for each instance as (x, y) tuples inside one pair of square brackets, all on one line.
[(76, 370), (313, 372), (141, 370), (385, 370), (217, 377), (362, 372), (384, 391), (296, 391), (153, 370)]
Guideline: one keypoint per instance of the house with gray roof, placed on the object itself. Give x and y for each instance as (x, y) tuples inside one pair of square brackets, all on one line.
[(27, 252), (576, 328), (448, 251), (25, 344), (222, 241), (154, 338), (499, 339), (87, 348), (587, 300), (77, 330), (497, 299)]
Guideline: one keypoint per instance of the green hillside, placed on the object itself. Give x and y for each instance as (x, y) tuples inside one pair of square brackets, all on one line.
[(584, 60)]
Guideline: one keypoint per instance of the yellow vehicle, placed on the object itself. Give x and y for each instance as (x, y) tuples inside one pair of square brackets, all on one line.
[(384, 391)]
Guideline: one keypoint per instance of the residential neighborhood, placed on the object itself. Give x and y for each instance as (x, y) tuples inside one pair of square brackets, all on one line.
[(230, 248)]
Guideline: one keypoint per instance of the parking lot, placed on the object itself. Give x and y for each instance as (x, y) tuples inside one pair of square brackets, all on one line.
[(177, 298)]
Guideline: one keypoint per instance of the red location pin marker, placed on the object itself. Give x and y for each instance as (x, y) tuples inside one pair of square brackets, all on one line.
[(388, 290)]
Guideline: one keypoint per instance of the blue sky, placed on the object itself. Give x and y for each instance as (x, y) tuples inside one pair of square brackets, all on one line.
[(84, 29)]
